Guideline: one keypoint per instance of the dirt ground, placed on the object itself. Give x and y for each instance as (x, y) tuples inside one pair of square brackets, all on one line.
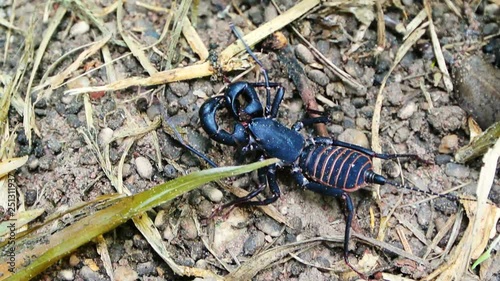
[(418, 115)]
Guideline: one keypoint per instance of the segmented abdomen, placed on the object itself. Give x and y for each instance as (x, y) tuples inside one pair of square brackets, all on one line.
[(335, 166)]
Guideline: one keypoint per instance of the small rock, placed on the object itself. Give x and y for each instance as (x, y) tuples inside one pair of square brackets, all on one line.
[(67, 99), (335, 129), (161, 218), (54, 145), (179, 88), (89, 275), (30, 196), (255, 14), (144, 167), (125, 273), (270, 13), (391, 169), (394, 94), (349, 123), (74, 260), (348, 108), (212, 193), (490, 28), (140, 242), (449, 144), (79, 28), (456, 170), (47, 163), (202, 264), (66, 274), (303, 54), (268, 226), (424, 215), (126, 170), (254, 242), (33, 163), (187, 100), (146, 268), (337, 117), (168, 234), (105, 135), (169, 171), (153, 111), (73, 120), (446, 206), (447, 118), (353, 68), (188, 228), (363, 123), (179, 120), (402, 134), (355, 137), (492, 11), (358, 102), (407, 111), (205, 209), (319, 77), (441, 159)]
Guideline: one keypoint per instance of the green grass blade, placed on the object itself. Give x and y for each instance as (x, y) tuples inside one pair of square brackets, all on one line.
[(54, 247)]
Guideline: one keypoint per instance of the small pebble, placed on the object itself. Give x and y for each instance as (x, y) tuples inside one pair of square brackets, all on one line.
[(212, 193), (394, 94), (74, 260), (146, 268), (144, 167), (168, 234), (67, 99), (407, 111), (125, 273), (402, 134), (492, 11), (268, 226), (66, 274), (79, 28), (30, 196), (153, 111), (254, 242), (126, 170), (105, 135), (441, 159), (449, 144), (54, 145), (33, 163), (169, 171), (424, 215), (88, 274), (319, 77), (140, 242), (355, 137), (179, 88), (188, 228), (391, 169), (348, 108), (202, 264), (337, 117), (447, 118), (456, 170), (161, 218), (303, 54)]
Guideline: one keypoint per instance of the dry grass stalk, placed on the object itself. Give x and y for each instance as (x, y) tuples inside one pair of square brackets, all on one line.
[(204, 69), (437, 49)]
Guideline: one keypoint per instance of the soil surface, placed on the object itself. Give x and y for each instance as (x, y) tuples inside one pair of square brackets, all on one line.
[(418, 116)]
